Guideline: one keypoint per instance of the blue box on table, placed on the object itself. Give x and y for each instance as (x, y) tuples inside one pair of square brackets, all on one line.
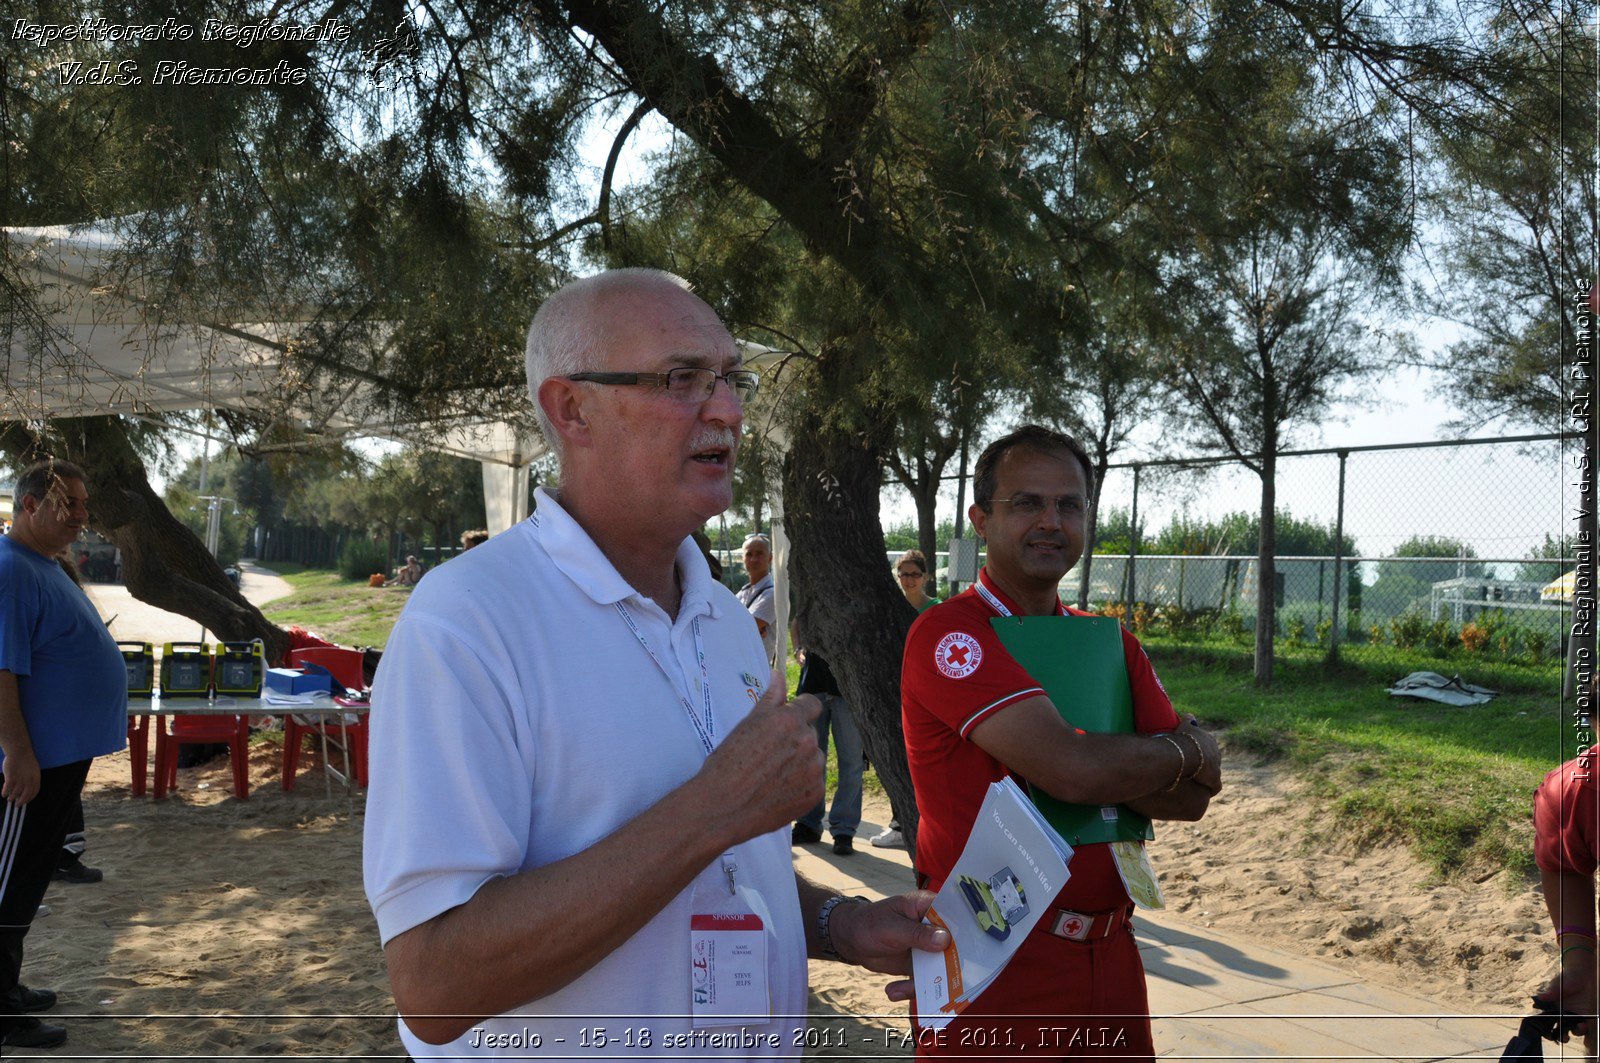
[(300, 680)]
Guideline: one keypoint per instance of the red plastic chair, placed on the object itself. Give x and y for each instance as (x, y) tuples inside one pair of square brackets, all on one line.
[(345, 664), (188, 730), (139, 751)]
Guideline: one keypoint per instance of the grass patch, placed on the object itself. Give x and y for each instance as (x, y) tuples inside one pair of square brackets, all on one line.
[(340, 610), (1453, 784), (1380, 662)]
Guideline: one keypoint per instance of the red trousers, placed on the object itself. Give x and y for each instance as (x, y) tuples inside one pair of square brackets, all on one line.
[(1056, 999)]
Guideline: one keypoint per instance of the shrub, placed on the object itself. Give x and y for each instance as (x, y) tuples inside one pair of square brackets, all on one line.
[(1440, 638), (360, 558), (1409, 630), (1232, 625), (1474, 637), (1325, 632)]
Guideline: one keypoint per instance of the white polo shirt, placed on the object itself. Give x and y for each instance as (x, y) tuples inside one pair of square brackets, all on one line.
[(517, 721)]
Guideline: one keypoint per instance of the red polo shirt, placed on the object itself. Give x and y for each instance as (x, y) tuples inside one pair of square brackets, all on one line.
[(956, 674), (1566, 817)]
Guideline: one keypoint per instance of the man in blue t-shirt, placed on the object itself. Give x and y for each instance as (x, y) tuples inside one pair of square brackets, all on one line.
[(63, 702)]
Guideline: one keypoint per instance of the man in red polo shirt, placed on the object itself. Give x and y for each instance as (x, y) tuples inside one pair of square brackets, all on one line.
[(973, 715)]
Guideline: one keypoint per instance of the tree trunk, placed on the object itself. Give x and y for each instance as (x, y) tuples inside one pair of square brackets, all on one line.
[(928, 532), (1267, 568), (846, 603), (1101, 459), (163, 562)]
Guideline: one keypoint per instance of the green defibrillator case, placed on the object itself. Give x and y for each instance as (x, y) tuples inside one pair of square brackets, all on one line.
[(140, 660), (185, 670), (238, 668)]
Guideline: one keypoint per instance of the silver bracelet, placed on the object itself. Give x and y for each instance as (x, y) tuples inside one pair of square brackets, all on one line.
[(825, 924)]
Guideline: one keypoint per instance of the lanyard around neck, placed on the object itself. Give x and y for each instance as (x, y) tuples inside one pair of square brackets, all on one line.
[(998, 606), (705, 727)]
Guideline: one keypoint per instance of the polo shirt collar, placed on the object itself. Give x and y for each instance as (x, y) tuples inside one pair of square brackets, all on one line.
[(1005, 599), (583, 562)]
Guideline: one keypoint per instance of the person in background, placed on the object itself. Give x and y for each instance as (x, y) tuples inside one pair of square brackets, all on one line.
[(1566, 825), (408, 574), (63, 702), (475, 537), (757, 594), (911, 573), (844, 816)]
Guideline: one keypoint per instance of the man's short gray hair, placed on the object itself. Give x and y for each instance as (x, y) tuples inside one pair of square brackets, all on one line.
[(566, 336), (38, 479)]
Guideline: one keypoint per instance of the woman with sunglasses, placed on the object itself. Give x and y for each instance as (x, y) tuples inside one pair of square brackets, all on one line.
[(911, 572)]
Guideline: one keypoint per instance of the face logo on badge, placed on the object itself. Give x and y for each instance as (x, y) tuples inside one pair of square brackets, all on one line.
[(958, 655)]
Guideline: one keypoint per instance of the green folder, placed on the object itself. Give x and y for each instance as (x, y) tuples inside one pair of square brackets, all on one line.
[(1079, 662)]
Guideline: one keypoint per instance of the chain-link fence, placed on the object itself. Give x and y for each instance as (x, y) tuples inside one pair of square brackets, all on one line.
[(1444, 557)]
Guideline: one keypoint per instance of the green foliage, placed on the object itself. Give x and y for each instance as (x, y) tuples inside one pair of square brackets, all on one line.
[(1406, 586), (1515, 183), (1559, 551), (1237, 533), (1409, 630), (361, 558), (342, 611)]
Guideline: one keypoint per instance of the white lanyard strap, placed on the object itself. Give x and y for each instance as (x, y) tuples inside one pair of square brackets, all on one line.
[(998, 606), (706, 728)]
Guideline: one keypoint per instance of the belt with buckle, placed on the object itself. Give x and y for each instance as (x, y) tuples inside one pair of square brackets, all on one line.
[(1088, 926)]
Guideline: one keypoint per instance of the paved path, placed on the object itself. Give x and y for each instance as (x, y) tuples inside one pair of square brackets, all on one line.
[(1220, 996), (136, 621)]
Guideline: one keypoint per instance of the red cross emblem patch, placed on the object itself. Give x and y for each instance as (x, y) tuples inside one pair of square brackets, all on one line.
[(1071, 926), (958, 655)]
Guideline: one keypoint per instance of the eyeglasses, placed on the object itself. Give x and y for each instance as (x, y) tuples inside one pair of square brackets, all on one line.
[(687, 383), (1033, 505), (909, 575)]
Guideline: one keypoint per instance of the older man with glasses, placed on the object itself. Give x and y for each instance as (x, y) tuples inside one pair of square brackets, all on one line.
[(583, 774)]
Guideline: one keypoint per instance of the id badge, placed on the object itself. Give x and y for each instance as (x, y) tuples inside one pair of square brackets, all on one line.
[(1138, 877), (728, 957)]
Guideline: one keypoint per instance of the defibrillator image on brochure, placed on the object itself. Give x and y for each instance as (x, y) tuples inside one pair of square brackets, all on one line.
[(997, 903), (1014, 862)]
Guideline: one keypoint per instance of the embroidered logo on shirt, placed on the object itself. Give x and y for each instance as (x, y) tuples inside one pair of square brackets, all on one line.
[(958, 655)]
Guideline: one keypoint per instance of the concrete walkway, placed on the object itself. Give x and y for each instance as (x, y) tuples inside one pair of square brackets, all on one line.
[(135, 621), (1219, 996)]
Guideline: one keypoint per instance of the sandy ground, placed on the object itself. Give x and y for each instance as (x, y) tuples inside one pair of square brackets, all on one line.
[(228, 928), (1258, 864)]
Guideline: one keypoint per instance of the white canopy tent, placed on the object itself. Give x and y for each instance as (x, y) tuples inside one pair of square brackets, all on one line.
[(96, 347)]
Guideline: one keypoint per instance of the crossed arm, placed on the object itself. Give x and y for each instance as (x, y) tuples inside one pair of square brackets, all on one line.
[(1033, 740)]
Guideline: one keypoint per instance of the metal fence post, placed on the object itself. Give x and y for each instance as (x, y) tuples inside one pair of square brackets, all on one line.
[(1133, 545), (1338, 561)]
